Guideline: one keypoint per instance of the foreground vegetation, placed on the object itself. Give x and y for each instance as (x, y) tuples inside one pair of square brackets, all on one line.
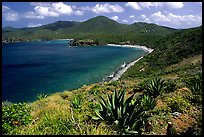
[(157, 89)]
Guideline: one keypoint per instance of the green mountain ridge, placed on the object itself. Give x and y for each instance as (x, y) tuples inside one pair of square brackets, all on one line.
[(94, 28)]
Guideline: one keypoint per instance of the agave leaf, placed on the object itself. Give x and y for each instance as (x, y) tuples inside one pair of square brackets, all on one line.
[(131, 131), (114, 97), (98, 114), (103, 101), (121, 95), (95, 118)]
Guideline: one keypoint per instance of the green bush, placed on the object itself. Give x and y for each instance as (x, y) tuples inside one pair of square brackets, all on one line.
[(15, 115), (94, 90), (77, 102), (195, 85), (178, 104), (154, 87), (114, 83), (129, 115)]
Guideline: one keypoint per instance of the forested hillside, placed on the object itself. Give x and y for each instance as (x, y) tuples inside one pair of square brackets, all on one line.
[(100, 28)]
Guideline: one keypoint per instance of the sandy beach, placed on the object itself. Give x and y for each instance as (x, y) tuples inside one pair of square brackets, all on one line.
[(124, 68)]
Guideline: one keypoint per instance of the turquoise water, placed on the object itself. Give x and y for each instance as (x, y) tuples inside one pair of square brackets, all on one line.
[(30, 68)]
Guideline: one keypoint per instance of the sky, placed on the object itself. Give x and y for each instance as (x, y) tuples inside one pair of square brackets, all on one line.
[(179, 15)]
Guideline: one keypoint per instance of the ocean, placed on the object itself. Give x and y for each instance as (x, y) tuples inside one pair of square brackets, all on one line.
[(32, 68)]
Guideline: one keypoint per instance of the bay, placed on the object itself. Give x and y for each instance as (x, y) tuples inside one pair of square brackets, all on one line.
[(31, 68)]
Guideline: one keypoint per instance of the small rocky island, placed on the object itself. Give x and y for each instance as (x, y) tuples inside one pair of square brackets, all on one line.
[(84, 42)]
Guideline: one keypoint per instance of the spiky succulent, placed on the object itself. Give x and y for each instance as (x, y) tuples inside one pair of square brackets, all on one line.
[(127, 114)]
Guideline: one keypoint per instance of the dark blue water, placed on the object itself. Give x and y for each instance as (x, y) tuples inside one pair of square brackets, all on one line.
[(30, 68)]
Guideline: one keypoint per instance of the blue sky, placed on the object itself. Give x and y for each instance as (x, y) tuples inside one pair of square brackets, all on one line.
[(170, 14)]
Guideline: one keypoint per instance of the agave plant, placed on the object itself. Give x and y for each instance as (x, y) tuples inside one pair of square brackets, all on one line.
[(195, 85), (148, 103), (155, 87), (128, 115), (41, 96), (77, 102)]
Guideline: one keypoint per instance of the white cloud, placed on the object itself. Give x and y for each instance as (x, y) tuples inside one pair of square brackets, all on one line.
[(61, 8), (131, 16), (79, 13), (114, 18), (174, 5), (9, 15), (106, 8), (177, 20), (125, 21), (30, 25), (148, 5), (116, 8), (143, 18), (158, 16), (43, 9), (133, 5), (33, 15)]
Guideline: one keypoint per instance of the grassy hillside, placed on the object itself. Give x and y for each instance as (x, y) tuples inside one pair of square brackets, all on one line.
[(169, 50), (166, 81)]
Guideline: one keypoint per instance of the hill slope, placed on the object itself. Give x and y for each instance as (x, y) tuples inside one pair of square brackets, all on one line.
[(100, 28), (168, 50)]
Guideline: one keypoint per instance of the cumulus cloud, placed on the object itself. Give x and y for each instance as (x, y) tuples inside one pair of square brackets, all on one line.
[(106, 8), (61, 8), (143, 18), (158, 16), (9, 15), (133, 5), (174, 5), (148, 5), (177, 20), (114, 18), (42, 10), (33, 15), (45, 11)]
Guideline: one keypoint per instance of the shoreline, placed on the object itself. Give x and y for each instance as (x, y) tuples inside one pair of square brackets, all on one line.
[(119, 72), (149, 50)]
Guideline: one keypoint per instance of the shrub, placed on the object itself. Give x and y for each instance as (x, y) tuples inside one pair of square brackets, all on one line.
[(114, 83), (77, 102), (178, 104), (15, 115), (195, 85), (154, 87), (127, 114), (94, 90)]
